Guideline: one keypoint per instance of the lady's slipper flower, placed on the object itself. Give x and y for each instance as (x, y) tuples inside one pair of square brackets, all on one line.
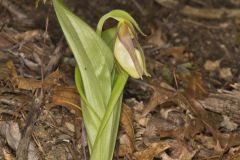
[(128, 51)]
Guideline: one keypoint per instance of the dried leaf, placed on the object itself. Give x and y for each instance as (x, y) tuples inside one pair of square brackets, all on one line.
[(160, 96), (12, 69), (180, 151), (70, 126), (229, 124), (126, 147), (192, 83), (65, 96), (176, 52), (31, 84), (5, 40), (212, 65), (28, 35), (127, 121), (11, 132), (156, 38), (7, 155), (197, 109), (163, 128), (127, 140), (233, 154), (152, 150), (226, 73), (209, 142)]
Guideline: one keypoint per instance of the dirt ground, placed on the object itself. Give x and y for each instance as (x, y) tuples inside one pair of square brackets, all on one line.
[(189, 109)]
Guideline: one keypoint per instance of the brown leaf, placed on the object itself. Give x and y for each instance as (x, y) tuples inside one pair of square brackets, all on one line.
[(31, 84), (65, 96), (226, 73), (156, 38), (126, 147), (233, 154), (28, 35), (193, 126), (163, 128), (212, 65), (160, 96), (179, 150), (7, 155), (209, 143), (12, 69), (228, 123), (127, 121), (152, 150), (4, 72), (5, 40), (11, 132), (198, 110), (176, 52), (127, 140), (192, 83)]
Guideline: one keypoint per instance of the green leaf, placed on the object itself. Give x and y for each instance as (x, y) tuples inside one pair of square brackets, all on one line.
[(95, 62), (99, 82), (112, 107), (118, 15)]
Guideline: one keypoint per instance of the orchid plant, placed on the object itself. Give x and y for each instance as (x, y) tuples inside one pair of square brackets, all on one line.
[(105, 59)]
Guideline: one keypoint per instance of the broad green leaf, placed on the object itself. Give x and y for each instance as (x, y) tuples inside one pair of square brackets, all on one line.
[(108, 136), (99, 82), (118, 15), (95, 62), (112, 107)]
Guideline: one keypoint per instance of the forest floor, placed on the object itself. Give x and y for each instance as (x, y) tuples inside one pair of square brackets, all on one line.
[(188, 109)]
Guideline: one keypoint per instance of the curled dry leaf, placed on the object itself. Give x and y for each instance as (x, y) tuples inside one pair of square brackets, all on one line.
[(198, 110), (12, 69), (226, 73), (137, 110), (7, 155), (176, 52), (65, 96), (192, 82), (156, 38), (193, 126), (126, 147), (127, 121), (180, 151), (209, 143), (212, 65), (160, 96), (11, 132), (228, 123), (163, 128), (28, 35), (233, 154), (4, 73), (126, 140), (173, 126), (70, 126), (152, 150), (31, 84)]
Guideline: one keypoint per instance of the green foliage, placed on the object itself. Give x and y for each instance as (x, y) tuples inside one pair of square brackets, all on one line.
[(99, 81)]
